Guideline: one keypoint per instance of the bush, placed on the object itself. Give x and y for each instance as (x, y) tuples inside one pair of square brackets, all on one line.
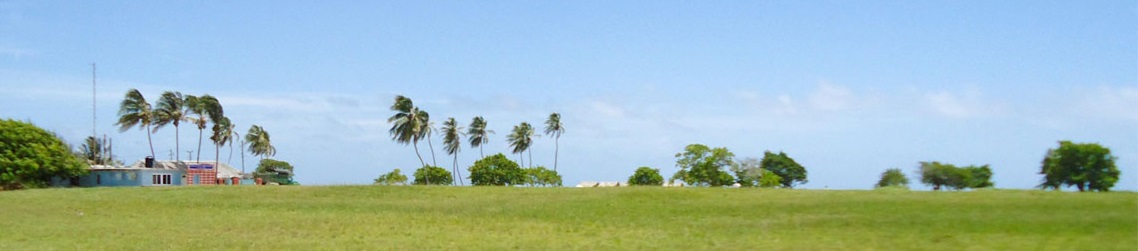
[(436, 175), (271, 170), (395, 177), (541, 176), (496, 170), (893, 177), (646, 176), (31, 156)]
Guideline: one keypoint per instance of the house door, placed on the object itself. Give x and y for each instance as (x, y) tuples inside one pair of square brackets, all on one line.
[(197, 180)]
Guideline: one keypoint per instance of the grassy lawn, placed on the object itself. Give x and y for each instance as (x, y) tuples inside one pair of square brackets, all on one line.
[(415, 218)]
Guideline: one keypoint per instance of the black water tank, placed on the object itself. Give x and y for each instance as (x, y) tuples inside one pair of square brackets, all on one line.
[(149, 161)]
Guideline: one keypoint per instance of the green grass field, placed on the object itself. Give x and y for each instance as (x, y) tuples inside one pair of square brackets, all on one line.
[(415, 218)]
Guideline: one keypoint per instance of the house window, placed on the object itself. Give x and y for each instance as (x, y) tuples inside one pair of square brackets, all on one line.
[(160, 179), (98, 179)]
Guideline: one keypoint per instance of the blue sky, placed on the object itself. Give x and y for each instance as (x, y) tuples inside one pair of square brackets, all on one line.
[(847, 88)]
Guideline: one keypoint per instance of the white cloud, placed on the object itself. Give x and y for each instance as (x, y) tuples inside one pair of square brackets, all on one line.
[(828, 97), (969, 104)]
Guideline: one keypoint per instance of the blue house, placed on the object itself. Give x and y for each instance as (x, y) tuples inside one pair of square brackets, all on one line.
[(159, 173)]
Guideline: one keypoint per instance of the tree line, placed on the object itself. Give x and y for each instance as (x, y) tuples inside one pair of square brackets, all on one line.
[(701, 165), (410, 124)]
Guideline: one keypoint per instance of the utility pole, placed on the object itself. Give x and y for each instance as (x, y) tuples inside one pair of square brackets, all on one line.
[(94, 111)]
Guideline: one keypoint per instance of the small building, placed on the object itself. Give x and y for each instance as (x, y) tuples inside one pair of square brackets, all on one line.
[(159, 173)]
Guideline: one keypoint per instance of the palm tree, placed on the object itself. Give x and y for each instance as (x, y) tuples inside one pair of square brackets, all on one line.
[(407, 124), (207, 108), (553, 127), (135, 111), (170, 111), (259, 142), (429, 129), (521, 139), (452, 141), (222, 134), (478, 134)]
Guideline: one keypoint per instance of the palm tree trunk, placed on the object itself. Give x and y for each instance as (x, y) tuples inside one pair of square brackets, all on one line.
[(480, 151), (148, 140), (530, 158), (177, 145), (456, 171), (556, 150), (230, 160), (242, 156), (415, 144), (434, 162), (199, 145), (216, 161)]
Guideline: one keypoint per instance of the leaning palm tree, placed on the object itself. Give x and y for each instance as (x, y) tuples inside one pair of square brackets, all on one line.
[(478, 134), (429, 129), (407, 124), (259, 142), (553, 128), (521, 139), (170, 110), (206, 107), (135, 111), (452, 141), (222, 134)]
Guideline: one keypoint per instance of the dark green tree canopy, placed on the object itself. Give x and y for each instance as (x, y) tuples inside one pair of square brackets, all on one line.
[(496, 170), (30, 156), (789, 171), (893, 177), (1086, 166), (646, 176), (940, 175), (703, 166), (433, 175)]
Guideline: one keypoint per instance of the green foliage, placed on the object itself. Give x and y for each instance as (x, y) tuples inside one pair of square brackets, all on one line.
[(769, 179), (703, 166), (395, 177), (940, 175), (31, 156), (92, 151), (1087, 166), (496, 170), (780, 164), (436, 176), (646, 176), (893, 177), (541, 176), (271, 170), (259, 142), (747, 172)]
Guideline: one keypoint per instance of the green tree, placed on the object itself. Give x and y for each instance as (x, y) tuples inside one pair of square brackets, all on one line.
[(222, 134), (259, 142), (171, 111), (646, 176), (940, 175), (791, 172), (521, 139), (496, 170), (747, 172), (92, 150), (392, 178), (1086, 166), (208, 109), (893, 177), (478, 134), (769, 179), (452, 142), (541, 176), (31, 156), (271, 170), (408, 123), (432, 175), (554, 128), (135, 111), (703, 166)]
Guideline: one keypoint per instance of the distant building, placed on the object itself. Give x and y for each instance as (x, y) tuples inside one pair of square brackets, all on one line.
[(160, 173)]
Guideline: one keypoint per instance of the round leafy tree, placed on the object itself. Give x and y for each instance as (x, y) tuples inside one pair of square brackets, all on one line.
[(1084, 166), (496, 170), (436, 176), (30, 156), (893, 177), (646, 176)]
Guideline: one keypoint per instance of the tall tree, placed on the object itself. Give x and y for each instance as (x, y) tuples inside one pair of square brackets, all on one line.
[(1087, 166), (780, 164), (171, 111), (478, 134), (452, 142), (521, 139), (407, 124), (207, 108), (429, 129), (554, 128), (704, 166), (222, 134), (259, 142), (135, 111)]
